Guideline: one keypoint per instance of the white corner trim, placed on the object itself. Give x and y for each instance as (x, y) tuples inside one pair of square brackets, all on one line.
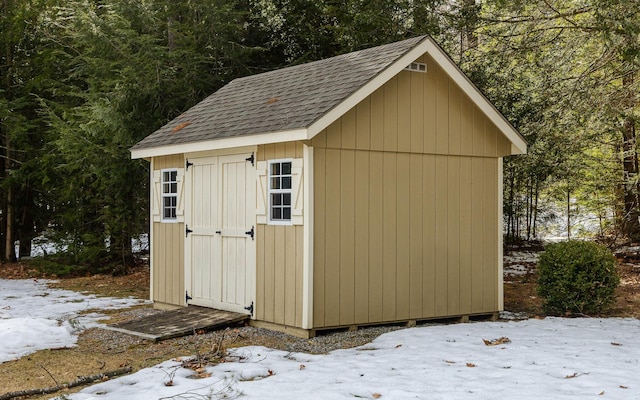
[(218, 144), (500, 237), (307, 242)]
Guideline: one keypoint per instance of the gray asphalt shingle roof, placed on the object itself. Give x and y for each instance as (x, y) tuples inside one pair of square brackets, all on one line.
[(281, 100)]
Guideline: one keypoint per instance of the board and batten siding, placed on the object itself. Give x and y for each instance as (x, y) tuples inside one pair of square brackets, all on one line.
[(406, 206), (279, 257), (167, 258)]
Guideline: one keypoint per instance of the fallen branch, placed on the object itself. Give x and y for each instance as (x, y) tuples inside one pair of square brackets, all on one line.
[(83, 380)]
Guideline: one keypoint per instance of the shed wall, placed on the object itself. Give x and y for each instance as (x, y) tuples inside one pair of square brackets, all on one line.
[(167, 262), (406, 206), (279, 258)]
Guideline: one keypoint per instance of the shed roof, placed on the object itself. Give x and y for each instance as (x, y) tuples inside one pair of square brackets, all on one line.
[(296, 103)]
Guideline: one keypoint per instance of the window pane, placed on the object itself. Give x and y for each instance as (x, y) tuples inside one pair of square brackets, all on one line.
[(174, 176), (276, 199), (286, 182), (286, 199), (275, 183), (166, 176), (286, 213), (275, 169), (286, 168), (276, 213), (174, 188), (165, 188)]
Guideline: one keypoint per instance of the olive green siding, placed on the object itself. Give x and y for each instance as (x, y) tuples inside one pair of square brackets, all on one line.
[(406, 206), (167, 267), (279, 258)]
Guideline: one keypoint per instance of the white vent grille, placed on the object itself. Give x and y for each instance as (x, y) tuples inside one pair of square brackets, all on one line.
[(417, 67)]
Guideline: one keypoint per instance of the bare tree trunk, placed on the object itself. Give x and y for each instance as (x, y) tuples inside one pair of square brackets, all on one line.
[(568, 213), (9, 250), (631, 224)]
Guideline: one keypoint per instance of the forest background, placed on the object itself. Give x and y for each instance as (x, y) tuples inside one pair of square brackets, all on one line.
[(81, 81)]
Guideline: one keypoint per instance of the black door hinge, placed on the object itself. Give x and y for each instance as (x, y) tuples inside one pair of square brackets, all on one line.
[(187, 297), (188, 164), (187, 231), (250, 308), (250, 233), (251, 158)]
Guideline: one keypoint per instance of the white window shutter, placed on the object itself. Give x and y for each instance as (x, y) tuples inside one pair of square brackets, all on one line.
[(180, 202), (261, 192), (297, 200), (156, 196)]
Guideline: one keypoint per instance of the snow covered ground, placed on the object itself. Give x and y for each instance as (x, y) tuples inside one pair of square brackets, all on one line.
[(35, 317), (553, 358)]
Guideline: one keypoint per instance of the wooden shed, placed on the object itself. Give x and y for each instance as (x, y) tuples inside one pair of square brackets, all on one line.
[(360, 189)]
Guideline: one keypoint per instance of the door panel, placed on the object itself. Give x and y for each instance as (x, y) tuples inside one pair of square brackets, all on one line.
[(220, 255)]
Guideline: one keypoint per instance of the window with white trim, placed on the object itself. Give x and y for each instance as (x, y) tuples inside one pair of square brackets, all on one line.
[(169, 195), (280, 184)]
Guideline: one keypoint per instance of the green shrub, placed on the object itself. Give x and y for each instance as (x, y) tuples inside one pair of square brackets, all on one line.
[(577, 277)]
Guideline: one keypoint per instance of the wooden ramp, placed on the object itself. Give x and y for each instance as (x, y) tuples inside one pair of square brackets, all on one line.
[(181, 322)]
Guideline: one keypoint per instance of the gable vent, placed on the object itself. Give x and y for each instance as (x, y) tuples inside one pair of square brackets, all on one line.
[(417, 67)]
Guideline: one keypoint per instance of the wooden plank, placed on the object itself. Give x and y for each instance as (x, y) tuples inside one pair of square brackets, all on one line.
[(442, 262), (466, 125), (347, 236), (279, 150), (279, 273), (454, 118), (363, 124), (402, 236), (334, 134), (349, 129), (377, 120), (299, 268), (442, 111), (417, 112), (391, 115), (389, 249), (453, 236), (376, 239), (332, 239), (477, 233), (269, 273), (361, 244), (466, 198), (290, 276), (492, 139), (180, 322), (416, 243), (479, 137), (320, 140), (430, 109), (429, 235), (404, 111), (319, 210), (260, 282)]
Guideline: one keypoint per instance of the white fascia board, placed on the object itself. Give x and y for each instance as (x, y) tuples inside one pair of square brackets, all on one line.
[(366, 90), (218, 144), (518, 144)]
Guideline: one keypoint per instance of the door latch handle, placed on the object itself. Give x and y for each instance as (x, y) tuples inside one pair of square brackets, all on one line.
[(218, 231), (250, 233), (187, 231)]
